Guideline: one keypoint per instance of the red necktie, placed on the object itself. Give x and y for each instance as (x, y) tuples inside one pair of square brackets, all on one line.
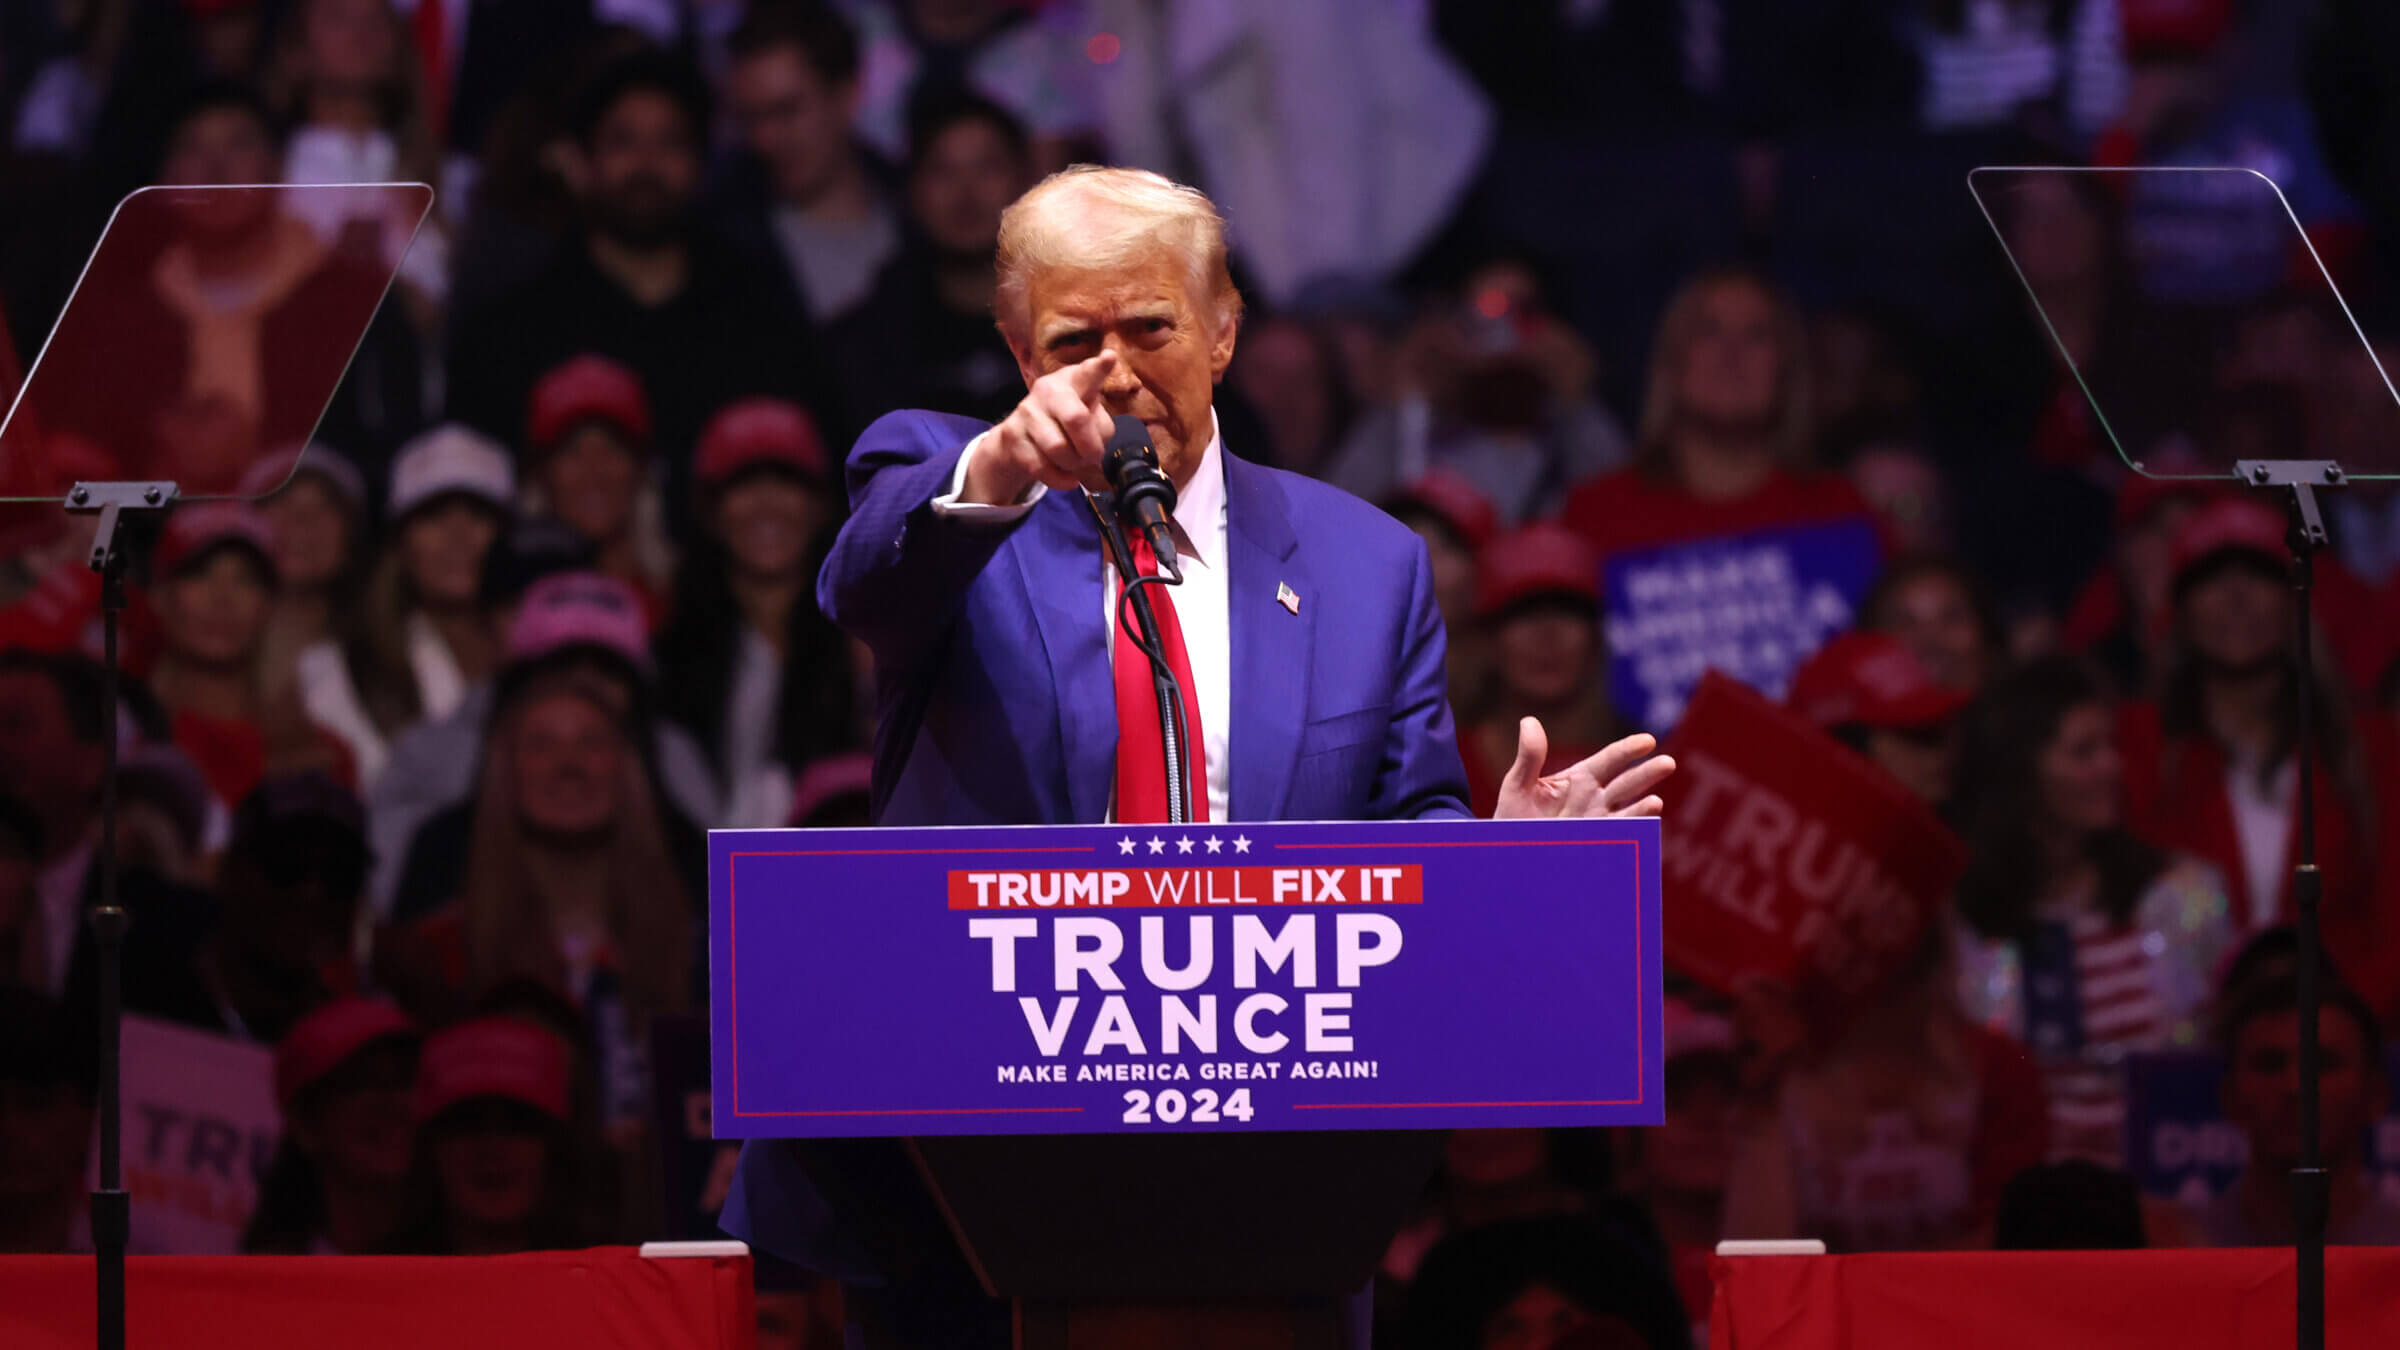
[(1141, 761), (433, 58)]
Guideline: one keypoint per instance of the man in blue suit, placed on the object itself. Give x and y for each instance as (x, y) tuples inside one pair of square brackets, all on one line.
[(1304, 631)]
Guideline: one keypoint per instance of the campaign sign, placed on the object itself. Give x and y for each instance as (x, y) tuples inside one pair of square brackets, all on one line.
[(1752, 605), (199, 1128), (1790, 858), (1087, 979), (2178, 1143)]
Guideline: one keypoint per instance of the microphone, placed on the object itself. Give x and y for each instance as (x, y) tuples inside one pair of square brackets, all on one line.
[(1144, 496)]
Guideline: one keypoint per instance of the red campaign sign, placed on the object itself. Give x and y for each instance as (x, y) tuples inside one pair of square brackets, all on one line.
[(1790, 858)]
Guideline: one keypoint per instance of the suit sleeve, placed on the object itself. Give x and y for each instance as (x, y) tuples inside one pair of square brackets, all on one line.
[(899, 568), (1422, 776)]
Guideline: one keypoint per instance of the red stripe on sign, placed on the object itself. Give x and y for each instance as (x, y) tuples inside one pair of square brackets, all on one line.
[(1001, 888)]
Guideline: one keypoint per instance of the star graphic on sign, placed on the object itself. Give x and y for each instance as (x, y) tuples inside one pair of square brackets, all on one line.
[(1215, 845), (1157, 845), (1241, 844), (1125, 845), (1184, 845)]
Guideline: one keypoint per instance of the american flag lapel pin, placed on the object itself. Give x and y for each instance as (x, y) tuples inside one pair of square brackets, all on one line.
[(1287, 597)]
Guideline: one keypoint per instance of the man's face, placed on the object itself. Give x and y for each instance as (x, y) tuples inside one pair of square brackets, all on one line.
[(1171, 348), (2262, 1088), (964, 179), (40, 756), (645, 170), (796, 123)]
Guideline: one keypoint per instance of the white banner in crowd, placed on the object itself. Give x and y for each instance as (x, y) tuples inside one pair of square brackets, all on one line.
[(200, 1127)]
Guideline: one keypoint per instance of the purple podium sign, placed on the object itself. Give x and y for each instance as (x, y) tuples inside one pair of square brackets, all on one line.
[(1089, 979)]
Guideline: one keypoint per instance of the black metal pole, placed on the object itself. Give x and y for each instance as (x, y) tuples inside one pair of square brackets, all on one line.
[(2310, 1184), (112, 1212)]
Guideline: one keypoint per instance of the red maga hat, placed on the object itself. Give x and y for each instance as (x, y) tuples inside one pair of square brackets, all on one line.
[(583, 389), (2233, 525), (1871, 679), (755, 431), (502, 1057), (1541, 559), (327, 1037), (1453, 500)]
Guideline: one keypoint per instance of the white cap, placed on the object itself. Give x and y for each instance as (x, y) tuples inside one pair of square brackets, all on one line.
[(451, 458)]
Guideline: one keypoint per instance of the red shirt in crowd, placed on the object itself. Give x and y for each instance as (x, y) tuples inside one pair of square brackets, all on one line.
[(1629, 510), (231, 754), (2177, 797)]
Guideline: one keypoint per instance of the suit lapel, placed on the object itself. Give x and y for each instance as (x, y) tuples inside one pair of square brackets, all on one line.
[(1271, 644), (1061, 569)]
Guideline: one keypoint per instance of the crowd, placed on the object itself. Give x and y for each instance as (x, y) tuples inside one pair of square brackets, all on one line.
[(420, 747)]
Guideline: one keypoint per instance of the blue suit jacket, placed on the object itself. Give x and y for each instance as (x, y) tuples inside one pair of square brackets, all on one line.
[(991, 649), (996, 706)]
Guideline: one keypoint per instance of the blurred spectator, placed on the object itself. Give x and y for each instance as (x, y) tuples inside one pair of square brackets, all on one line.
[(429, 634), (496, 1168), (1726, 428), (588, 463), (1543, 1284), (1865, 391), (2072, 1206), (1898, 1134), (2212, 766), (1488, 1177), (1538, 601), (1457, 523), (2081, 939), (239, 721), (239, 324), (49, 1079), (1678, 1171), (275, 940), (471, 62), (1031, 61), (924, 337), (318, 628), (1938, 610), (346, 85), (584, 622), (639, 283), (2121, 619), (1504, 397), (344, 1075), (53, 717), (1291, 376), (748, 664), (807, 191), (1870, 692), (2259, 1034)]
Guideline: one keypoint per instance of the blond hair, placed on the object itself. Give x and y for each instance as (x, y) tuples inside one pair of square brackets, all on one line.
[(1091, 217), (1794, 431)]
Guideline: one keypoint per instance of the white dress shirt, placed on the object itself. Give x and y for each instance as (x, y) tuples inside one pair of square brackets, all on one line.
[(1200, 603)]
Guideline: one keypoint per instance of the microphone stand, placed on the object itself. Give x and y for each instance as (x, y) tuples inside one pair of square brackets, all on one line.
[(2311, 1186), (1163, 684), (111, 1208)]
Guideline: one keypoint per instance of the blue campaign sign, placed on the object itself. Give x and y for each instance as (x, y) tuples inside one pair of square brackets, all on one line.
[(1083, 979), (1752, 605), (2178, 1142)]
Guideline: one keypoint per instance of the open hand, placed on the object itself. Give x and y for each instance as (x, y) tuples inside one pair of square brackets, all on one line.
[(1621, 780)]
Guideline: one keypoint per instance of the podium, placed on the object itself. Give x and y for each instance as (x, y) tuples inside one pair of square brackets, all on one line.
[(1007, 1049)]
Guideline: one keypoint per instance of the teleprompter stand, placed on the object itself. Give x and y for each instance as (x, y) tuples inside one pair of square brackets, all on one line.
[(2297, 482), (128, 512)]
